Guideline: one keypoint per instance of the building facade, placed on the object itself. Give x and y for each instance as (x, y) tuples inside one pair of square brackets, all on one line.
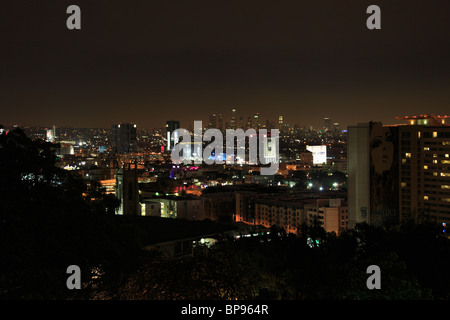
[(124, 138), (399, 173), (424, 174), (358, 181), (127, 191), (332, 214), (288, 215), (171, 137), (189, 208)]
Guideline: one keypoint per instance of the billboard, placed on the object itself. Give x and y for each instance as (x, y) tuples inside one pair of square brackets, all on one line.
[(319, 154)]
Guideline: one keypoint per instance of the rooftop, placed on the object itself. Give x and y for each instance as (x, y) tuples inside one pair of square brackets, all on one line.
[(156, 230)]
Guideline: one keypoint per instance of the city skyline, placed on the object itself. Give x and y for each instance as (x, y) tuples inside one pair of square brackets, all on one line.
[(117, 184), (149, 62), (327, 124)]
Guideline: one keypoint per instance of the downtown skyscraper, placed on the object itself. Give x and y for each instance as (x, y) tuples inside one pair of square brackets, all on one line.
[(124, 138)]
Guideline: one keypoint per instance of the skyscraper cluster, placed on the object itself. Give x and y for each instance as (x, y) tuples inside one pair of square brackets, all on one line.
[(216, 121)]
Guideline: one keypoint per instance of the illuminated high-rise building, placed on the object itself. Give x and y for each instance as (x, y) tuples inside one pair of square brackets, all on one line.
[(212, 121), (424, 169), (280, 123), (399, 173), (233, 119), (249, 123), (336, 127), (124, 138), (220, 126), (172, 138), (51, 134), (256, 121), (327, 124)]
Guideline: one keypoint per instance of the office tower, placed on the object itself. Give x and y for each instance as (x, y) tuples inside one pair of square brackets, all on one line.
[(233, 119), (172, 139), (327, 124), (241, 122), (124, 138), (280, 123), (212, 121), (399, 173), (249, 123), (256, 121), (336, 127), (220, 127)]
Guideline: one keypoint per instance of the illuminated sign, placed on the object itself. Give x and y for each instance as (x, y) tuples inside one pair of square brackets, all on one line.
[(319, 153)]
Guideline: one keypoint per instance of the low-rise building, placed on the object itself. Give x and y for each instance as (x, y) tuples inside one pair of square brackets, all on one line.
[(190, 208), (283, 213), (332, 214)]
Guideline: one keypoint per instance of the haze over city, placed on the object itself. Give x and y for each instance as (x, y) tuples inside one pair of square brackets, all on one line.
[(147, 62)]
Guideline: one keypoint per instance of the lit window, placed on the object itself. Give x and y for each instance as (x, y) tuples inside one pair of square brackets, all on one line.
[(425, 197), (418, 134), (408, 155), (435, 161), (446, 155), (403, 184), (425, 167), (434, 134)]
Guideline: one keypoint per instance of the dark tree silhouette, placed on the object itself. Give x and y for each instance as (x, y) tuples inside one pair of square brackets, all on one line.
[(46, 224)]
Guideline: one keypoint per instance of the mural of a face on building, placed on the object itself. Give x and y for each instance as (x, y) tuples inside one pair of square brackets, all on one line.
[(383, 175), (381, 148)]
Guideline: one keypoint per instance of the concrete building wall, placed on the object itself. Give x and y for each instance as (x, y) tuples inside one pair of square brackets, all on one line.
[(358, 174)]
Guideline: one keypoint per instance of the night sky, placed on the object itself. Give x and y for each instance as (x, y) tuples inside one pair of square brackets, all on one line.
[(151, 61)]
